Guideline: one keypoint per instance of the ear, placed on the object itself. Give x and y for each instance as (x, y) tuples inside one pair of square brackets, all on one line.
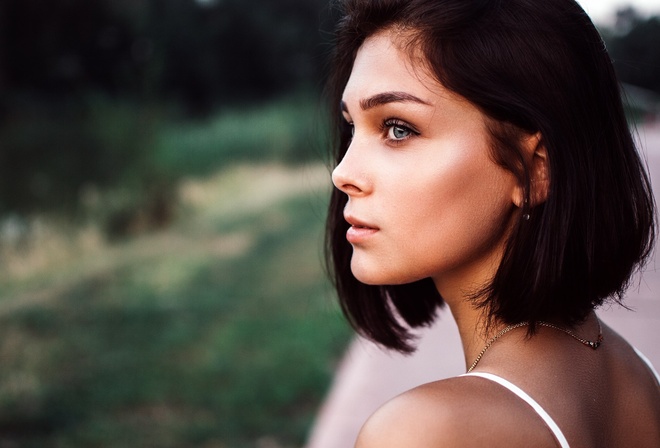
[(536, 159)]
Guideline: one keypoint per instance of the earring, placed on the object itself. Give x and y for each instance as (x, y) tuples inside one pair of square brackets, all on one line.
[(525, 216)]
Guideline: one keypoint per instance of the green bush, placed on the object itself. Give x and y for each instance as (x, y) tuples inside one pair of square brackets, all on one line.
[(52, 152), (289, 129)]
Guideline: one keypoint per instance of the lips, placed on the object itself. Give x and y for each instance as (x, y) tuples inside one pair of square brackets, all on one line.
[(359, 231), (358, 223)]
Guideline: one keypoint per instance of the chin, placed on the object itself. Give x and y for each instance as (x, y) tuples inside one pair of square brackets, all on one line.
[(377, 276), (368, 278), (369, 275)]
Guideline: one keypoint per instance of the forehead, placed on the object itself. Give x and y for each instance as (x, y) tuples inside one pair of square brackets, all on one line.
[(384, 64)]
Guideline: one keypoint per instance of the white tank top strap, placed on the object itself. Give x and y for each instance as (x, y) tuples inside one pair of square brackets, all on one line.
[(648, 363), (530, 401)]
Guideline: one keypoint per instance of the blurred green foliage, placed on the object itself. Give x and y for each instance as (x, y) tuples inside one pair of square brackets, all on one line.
[(131, 313), (290, 130), (50, 154), (219, 331), (92, 94)]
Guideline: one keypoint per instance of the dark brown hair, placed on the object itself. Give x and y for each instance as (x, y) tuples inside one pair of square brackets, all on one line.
[(530, 66)]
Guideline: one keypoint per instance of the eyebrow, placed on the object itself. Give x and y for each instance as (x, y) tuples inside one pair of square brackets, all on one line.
[(385, 98)]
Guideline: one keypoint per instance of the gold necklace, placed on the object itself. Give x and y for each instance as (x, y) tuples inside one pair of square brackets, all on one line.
[(592, 344)]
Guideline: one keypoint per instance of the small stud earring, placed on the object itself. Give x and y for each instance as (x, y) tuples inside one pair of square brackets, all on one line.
[(525, 217)]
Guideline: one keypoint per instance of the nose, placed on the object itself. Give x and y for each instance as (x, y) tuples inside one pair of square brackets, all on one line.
[(349, 176)]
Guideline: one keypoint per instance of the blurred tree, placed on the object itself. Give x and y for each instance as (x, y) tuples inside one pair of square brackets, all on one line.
[(633, 46), (195, 52), (626, 18), (63, 46), (84, 84)]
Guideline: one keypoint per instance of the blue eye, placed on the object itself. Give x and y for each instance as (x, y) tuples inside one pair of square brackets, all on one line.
[(397, 132)]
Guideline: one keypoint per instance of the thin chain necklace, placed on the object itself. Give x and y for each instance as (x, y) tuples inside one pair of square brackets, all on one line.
[(591, 344)]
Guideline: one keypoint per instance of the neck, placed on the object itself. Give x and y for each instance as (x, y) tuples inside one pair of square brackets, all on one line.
[(455, 287), (475, 336), (471, 325)]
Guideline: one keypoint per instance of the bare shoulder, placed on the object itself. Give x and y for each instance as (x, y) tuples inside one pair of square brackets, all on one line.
[(421, 417), (456, 412)]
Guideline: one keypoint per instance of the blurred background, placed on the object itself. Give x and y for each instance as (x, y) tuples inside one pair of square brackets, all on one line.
[(163, 184)]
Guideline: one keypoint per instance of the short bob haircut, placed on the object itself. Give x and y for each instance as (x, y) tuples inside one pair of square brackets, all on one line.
[(530, 66)]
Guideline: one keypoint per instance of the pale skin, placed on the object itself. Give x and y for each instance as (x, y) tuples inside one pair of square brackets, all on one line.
[(425, 199)]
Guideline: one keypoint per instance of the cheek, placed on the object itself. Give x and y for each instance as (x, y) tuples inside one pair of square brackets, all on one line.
[(471, 197), (464, 188), (453, 215)]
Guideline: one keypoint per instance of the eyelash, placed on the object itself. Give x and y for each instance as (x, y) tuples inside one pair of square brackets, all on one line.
[(386, 126), (392, 123)]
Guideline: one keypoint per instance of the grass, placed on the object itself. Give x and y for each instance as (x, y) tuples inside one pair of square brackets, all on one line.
[(220, 331)]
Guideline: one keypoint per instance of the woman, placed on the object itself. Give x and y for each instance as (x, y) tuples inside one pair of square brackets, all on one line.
[(484, 162)]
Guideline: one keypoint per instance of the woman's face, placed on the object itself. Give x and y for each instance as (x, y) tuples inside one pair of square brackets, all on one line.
[(424, 197)]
